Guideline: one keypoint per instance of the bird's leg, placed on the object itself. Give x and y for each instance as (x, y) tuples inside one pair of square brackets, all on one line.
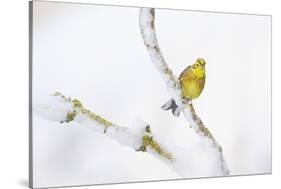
[(186, 100)]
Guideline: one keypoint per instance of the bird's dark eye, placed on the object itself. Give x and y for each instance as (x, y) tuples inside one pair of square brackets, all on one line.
[(201, 61)]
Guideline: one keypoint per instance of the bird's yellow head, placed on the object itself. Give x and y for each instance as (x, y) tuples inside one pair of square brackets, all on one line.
[(198, 68)]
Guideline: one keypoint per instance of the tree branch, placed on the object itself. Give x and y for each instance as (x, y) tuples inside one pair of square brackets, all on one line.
[(63, 109), (182, 160), (147, 27)]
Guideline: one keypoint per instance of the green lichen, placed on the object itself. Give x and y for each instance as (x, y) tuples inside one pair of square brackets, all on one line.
[(77, 104), (70, 116), (78, 107), (96, 117), (148, 141), (62, 96)]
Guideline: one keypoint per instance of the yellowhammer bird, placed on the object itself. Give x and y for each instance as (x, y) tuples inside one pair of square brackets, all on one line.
[(192, 81)]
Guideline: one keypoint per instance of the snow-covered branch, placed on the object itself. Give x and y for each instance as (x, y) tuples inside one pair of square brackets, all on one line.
[(147, 27), (139, 137), (62, 109)]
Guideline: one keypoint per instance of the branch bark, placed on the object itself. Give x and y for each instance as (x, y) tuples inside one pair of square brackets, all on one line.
[(147, 27)]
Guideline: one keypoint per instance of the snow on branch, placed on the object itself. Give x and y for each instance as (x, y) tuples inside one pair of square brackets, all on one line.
[(62, 109), (185, 161), (147, 27)]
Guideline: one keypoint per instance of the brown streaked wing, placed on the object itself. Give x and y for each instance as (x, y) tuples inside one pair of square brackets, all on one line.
[(185, 72), (201, 83)]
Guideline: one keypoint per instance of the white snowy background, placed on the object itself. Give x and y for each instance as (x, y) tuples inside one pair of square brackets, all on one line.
[(96, 54)]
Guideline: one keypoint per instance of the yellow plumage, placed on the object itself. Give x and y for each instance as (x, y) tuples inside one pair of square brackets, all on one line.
[(192, 81)]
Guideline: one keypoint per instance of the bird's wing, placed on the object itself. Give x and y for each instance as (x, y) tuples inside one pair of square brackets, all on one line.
[(185, 71), (202, 83)]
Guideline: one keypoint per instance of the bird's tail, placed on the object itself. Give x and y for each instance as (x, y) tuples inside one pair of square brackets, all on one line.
[(171, 104)]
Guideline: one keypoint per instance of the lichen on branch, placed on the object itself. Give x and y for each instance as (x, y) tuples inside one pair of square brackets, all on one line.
[(76, 111)]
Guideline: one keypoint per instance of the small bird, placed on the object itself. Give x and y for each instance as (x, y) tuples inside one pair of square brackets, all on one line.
[(192, 81)]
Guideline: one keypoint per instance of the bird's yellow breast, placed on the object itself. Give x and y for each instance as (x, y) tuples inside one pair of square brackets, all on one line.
[(192, 81), (191, 89)]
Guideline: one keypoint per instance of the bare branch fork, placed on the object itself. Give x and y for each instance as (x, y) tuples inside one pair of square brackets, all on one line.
[(183, 161)]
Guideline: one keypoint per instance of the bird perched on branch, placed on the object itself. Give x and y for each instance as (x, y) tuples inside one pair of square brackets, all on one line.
[(192, 81)]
